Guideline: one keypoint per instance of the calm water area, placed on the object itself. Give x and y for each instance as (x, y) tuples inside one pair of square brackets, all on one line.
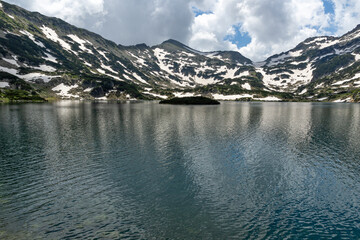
[(102, 170)]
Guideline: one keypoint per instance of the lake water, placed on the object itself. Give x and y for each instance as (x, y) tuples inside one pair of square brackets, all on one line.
[(149, 171)]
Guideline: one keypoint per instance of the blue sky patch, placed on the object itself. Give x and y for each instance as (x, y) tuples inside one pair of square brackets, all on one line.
[(332, 29), (329, 6), (329, 9), (240, 39), (199, 12)]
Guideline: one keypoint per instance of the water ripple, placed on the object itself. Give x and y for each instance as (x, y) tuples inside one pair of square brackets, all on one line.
[(146, 171)]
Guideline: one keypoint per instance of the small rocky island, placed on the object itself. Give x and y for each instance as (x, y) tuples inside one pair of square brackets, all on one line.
[(190, 101)]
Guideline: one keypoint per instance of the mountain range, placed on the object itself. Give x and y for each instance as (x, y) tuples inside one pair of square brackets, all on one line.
[(46, 58)]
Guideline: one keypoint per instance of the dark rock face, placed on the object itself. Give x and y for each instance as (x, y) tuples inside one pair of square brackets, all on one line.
[(97, 92), (191, 101)]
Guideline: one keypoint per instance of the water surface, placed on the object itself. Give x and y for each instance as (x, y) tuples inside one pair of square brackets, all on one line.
[(149, 171)]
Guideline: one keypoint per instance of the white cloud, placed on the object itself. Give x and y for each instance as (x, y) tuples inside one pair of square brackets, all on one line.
[(209, 30), (273, 31), (149, 21), (347, 15), (274, 26), (73, 11), (126, 22)]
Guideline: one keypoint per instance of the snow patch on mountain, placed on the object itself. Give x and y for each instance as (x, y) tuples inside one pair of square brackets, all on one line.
[(319, 39), (321, 42), (102, 53), (269, 79), (37, 76), (286, 79), (304, 76), (284, 56), (327, 44), (351, 36), (9, 70), (182, 94), (63, 90), (215, 55), (138, 60), (231, 97), (45, 68), (156, 95), (88, 90), (298, 63), (324, 56), (243, 74), (81, 42), (87, 64), (357, 57), (180, 83), (103, 66), (102, 71), (303, 91), (186, 54), (240, 96), (128, 77), (52, 35), (32, 38), (4, 84), (160, 55), (11, 61), (357, 75), (205, 81), (346, 100), (269, 99), (318, 86), (139, 78), (121, 64), (50, 58), (227, 73), (246, 86)]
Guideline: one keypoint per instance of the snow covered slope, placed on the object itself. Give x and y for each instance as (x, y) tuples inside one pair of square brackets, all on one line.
[(315, 66), (57, 59)]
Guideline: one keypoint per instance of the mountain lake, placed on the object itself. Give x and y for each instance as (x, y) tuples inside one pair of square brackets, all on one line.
[(141, 170)]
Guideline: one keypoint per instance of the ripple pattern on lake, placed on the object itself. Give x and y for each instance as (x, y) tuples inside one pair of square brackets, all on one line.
[(147, 171)]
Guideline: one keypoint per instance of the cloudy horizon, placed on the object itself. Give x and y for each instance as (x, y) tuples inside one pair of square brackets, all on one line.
[(255, 28)]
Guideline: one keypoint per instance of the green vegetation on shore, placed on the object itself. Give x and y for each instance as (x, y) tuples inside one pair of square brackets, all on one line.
[(11, 95)]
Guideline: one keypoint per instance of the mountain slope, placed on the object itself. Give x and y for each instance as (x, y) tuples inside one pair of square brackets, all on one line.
[(321, 67), (47, 57)]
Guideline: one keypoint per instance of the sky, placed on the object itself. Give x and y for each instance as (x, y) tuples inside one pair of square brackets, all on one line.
[(255, 28)]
